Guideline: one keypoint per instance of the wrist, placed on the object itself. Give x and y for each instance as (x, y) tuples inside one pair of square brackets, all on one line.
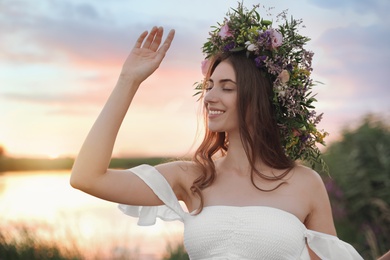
[(128, 81), (127, 78)]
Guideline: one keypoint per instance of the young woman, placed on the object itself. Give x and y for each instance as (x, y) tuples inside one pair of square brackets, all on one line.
[(247, 197)]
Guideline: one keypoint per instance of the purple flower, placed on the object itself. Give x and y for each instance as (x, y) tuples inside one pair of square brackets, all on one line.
[(264, 38), (260, 61), (229, 46), (270, 39), (304, 138)]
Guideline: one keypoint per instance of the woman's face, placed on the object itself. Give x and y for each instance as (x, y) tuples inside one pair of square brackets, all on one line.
[(221, 99)]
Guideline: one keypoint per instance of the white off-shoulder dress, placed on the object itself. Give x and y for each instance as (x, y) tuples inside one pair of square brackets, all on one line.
[(230, 232)]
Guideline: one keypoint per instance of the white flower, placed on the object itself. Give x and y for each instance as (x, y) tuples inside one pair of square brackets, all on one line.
[(281, 90), (250, 46), (282, 93)]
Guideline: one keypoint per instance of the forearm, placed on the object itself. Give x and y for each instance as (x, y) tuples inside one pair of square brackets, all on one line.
[(95, 154), (96, 151)]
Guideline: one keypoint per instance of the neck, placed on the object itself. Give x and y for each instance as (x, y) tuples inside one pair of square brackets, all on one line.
[(236, 158)]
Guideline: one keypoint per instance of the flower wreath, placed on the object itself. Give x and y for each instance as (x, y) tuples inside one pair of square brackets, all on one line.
[(281, 55)]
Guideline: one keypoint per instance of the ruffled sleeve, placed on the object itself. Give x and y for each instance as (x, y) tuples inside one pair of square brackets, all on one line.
[(329, 247), (147, 215)]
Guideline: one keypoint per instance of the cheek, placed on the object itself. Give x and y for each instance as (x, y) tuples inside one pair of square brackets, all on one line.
[(233, 102), (234, 105)]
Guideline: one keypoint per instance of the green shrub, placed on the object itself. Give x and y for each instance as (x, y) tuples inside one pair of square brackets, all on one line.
[(176, 253), (359, 187)]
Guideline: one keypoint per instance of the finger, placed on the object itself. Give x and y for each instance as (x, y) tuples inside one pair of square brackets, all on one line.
[(150, 38), (140, 39), (157, 39), (167, 43)]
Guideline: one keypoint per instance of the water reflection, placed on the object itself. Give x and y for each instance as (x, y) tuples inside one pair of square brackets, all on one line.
[(46, 198)]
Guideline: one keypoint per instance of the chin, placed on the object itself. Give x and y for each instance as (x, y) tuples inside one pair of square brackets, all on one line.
[(218, 129), (215, 129)]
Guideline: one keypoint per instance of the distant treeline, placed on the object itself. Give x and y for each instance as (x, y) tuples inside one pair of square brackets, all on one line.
[(32, 164)]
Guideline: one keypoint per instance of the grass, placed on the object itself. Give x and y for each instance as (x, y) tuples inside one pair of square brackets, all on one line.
[(20, 241), (176, 252)]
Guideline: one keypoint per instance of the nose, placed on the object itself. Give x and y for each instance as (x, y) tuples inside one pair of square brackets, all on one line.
[(211, 96)]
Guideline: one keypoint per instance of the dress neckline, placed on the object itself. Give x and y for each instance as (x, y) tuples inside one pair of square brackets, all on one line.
[(233, 207)]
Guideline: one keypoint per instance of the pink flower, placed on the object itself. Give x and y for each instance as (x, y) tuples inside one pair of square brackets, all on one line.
[(205, 66), (296, 132), (276, 38), (224, 32)]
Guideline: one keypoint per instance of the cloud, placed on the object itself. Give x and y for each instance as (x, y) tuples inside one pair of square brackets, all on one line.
[(359, 55), (355, 67), (355, 55), (72, 40), (77, 34), (79, 40), (58, 99), (379, 7), (164, 90), (352, 61)]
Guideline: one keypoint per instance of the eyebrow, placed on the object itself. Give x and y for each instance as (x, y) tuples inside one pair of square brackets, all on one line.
[(223, 81)]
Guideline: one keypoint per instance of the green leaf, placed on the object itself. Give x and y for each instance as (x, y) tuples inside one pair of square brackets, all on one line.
[(237, 49), (266, 22)]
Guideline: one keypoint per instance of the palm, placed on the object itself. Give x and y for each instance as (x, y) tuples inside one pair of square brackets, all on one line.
[(147, 55)]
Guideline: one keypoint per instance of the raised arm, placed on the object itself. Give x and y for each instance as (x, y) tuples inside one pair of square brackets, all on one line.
[(90, 171)]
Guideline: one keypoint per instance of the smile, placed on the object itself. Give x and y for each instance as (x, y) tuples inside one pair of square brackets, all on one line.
[(216, 112)]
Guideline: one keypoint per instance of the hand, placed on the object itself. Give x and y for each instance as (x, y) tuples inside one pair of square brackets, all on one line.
[(147, 55)]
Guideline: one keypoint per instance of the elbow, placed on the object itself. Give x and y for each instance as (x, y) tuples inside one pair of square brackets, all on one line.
[(85, 178), (74, 181), (77, 182), (79, 185), (83, 181)]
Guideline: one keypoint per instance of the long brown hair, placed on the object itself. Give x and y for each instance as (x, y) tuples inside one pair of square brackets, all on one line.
[(260, 139)]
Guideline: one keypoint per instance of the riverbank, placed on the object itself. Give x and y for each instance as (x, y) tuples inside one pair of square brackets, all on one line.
[(41, 205), (10, 164)]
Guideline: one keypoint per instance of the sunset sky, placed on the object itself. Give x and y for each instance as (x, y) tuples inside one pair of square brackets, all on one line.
[(59, 60)]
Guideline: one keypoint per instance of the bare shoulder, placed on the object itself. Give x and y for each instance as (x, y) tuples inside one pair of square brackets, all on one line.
[(307, 177), (179, 168), (310, 183), (180, 175), (320, 212)]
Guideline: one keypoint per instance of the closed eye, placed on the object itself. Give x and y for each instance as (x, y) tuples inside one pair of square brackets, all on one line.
[(227, 85), (208, 86)]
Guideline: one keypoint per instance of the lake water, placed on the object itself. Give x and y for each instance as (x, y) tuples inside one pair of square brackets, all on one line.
[(45, 201)]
